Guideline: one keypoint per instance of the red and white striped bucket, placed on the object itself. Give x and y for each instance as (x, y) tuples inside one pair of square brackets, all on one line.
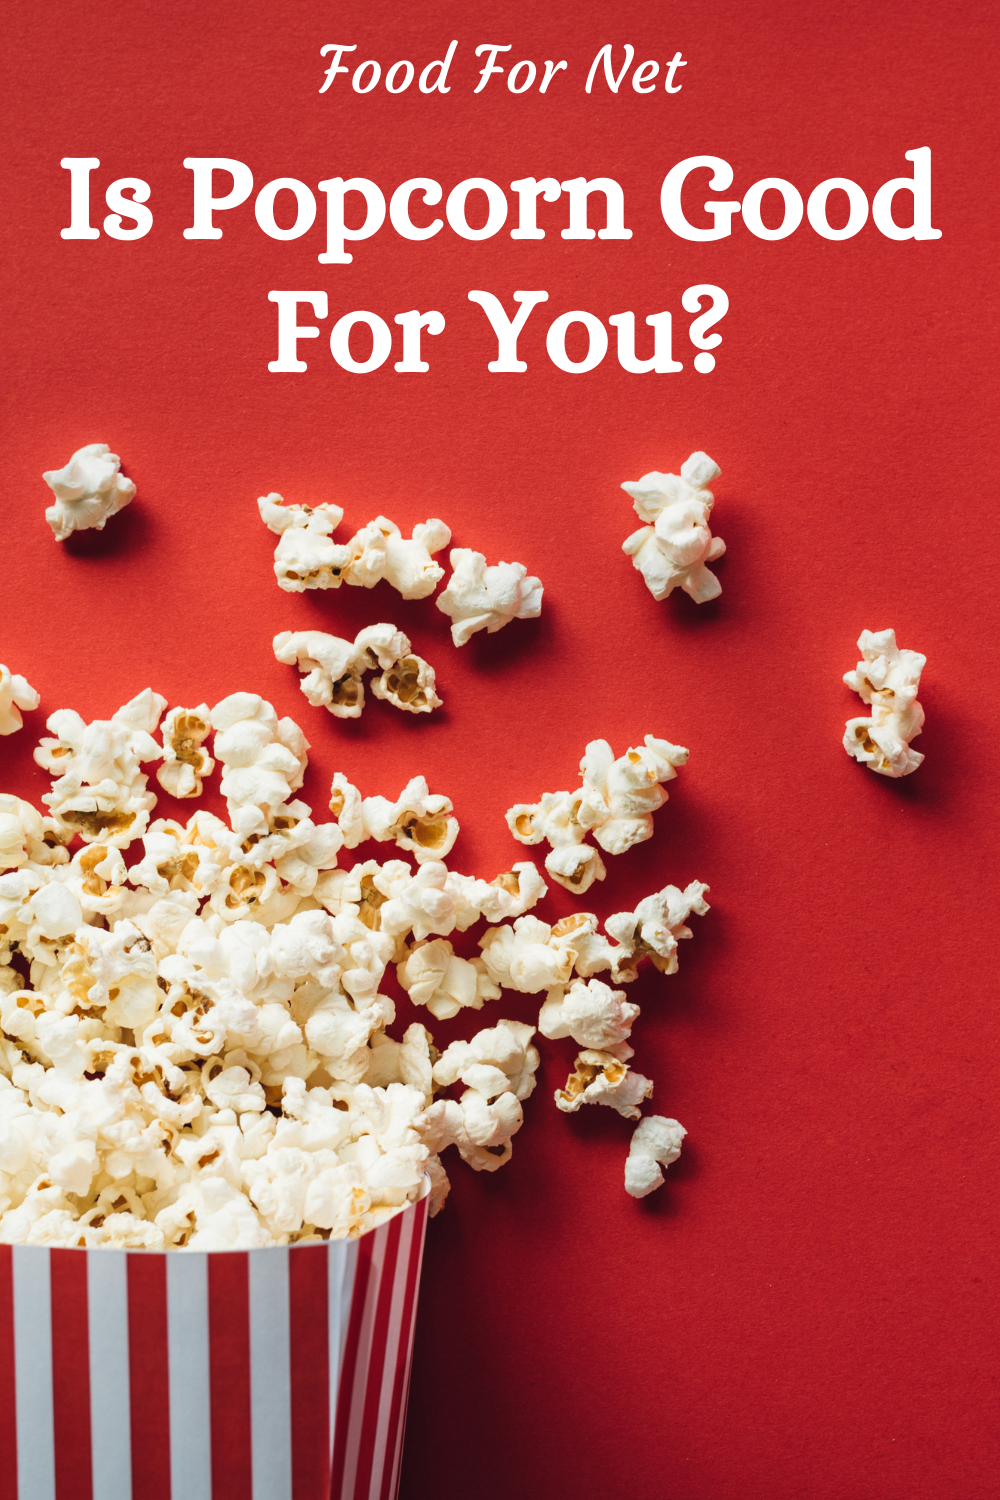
[(276, 1374)]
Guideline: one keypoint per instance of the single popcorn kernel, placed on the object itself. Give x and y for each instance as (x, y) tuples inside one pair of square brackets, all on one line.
[(15, 694), (672, 549), (887, 679), (88, 491)]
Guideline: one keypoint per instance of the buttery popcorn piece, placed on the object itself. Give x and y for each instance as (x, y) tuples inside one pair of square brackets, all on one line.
[(88, 491), (433, 975), (15, 694), (185, 763), (674, 546), (602, 1078), (487, 598), (887, 679), (498, 1059), (652, 931), (305, 557), (656, 1143)]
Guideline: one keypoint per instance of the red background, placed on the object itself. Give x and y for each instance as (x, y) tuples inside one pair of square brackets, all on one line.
[(803, 1310)]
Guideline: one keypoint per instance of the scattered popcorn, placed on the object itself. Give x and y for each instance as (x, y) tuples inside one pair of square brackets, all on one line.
[(15, 694), (335, 669), (673, 548), (185, 763), (616, 802), (887, 679), (600, 1077), (307, 558), (88, 490), (655, 1144), (487, 598)]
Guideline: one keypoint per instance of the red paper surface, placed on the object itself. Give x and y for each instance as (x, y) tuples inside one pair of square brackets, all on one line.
[(804, 1309)]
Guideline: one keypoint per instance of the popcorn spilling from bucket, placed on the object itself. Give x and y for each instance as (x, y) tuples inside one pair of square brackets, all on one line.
[(194, 1049)]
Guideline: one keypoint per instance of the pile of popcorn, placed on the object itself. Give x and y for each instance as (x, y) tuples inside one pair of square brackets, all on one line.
[(194, 1046)]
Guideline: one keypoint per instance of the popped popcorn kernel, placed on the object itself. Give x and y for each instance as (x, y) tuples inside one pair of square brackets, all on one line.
[(88, 490), (675, 545), (487, 598), (887, 679), (615, 802), (656, 1143), (334, 669), (185, 763), (15, 694), (600, 1077)]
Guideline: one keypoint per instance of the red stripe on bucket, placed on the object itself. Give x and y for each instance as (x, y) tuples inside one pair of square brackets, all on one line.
[(70, 1374), (376, 1364), (308, 1295), (401, 1383), (8, 1385), (348, 1369), (149, 1376), (229, 1374)]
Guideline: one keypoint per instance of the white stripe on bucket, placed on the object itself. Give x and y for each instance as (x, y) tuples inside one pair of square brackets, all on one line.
[(342, 1262), (36, 1459), (391, 1357), (190, 1392), (270, 1376), (110, 1402), (356, 1413), (405, 1353)]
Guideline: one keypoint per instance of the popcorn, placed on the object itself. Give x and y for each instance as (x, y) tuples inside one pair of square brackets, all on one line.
[(15, 694), (305, 557), (88, 491), (335, 669), (185, 763), (529, 956), (673, 548), (656, 1142), (419, 823), (193, 1044), (432, 974), (652, 931), (496, 1061), (379, 550), (600, 1077), (101, 792), (887, 679), (487, 598), (615, 802), (480, 1128), (27, 837), (592, 1013)]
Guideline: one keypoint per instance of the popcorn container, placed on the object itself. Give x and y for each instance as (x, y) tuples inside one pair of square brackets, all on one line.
[(277, 1374)]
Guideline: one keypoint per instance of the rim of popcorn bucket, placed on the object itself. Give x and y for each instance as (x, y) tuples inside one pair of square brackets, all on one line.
[(273, 1374)]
